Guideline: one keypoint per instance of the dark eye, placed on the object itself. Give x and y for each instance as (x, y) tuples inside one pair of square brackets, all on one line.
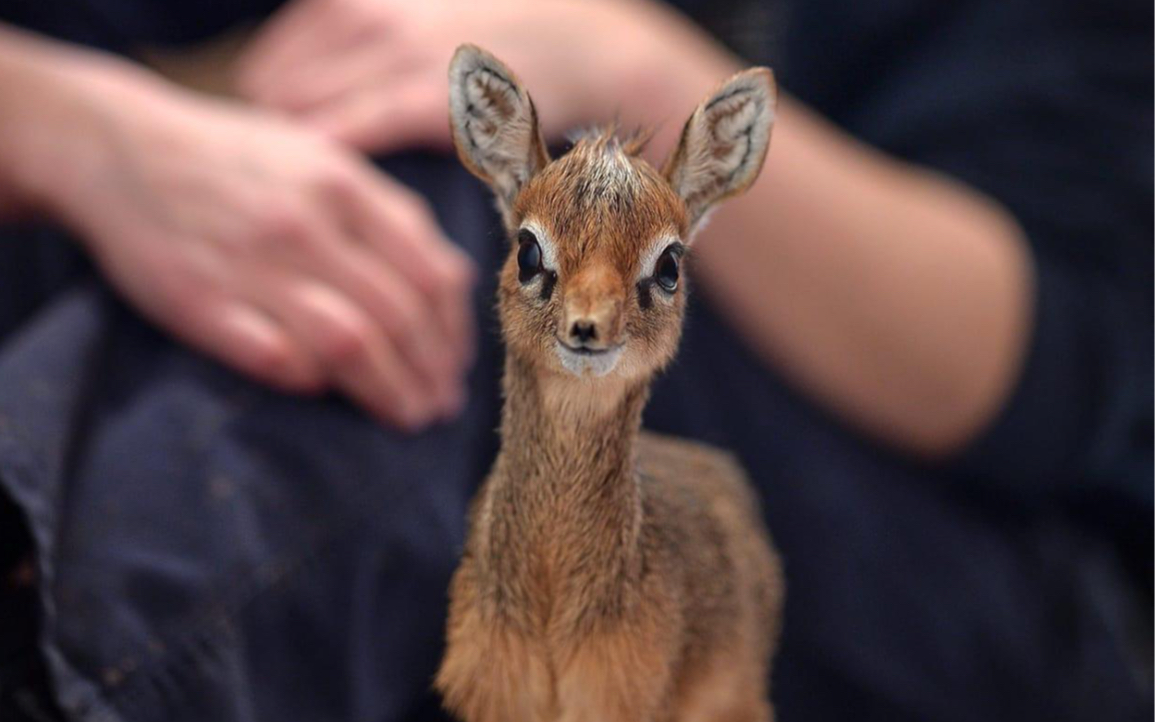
[(528, 255), (666, 271)]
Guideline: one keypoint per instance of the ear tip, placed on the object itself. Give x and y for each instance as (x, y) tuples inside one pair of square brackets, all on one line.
[(760, 79), (468, 58), (770, 79), (468, 55)]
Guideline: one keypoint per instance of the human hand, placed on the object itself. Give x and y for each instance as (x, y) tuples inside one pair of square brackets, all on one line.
[(263, 245), (372, 73)]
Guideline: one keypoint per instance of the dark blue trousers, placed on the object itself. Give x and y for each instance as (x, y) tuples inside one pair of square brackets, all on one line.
[(211, 551)]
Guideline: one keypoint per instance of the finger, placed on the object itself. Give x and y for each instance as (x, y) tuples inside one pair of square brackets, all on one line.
[(408, 318), (454, 306), (399, 226), (250, 342), (357, 356), (381, 120), (447, 275)]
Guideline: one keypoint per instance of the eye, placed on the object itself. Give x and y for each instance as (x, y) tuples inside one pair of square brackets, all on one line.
[(528, 255), (667, 269)]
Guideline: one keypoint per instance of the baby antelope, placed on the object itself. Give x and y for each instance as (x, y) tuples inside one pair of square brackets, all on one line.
[(609, 575)]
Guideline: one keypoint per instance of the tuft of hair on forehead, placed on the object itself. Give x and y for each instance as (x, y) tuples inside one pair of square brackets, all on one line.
[(602, 191), (609, 165), (599, 185), (611, 138)]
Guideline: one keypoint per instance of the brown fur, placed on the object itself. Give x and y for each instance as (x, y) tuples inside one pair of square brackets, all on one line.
[(609, 575)]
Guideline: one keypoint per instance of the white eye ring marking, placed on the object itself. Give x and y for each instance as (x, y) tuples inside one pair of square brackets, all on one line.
[(648, 265), (548, 249)]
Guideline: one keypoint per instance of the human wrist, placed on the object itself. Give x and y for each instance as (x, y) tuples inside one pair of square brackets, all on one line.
[(50, 114)]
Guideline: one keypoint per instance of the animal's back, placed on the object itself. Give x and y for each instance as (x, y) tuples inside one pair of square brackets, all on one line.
[(703, 529)]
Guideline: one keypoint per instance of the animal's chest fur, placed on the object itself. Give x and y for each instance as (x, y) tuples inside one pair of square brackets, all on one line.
[(555, 553), (496, 670)]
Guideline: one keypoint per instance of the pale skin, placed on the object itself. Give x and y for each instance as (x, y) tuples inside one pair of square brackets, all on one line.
[(897, 298), (274, 249)]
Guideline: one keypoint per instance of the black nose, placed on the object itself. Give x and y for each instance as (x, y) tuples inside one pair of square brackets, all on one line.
[(584, 331)]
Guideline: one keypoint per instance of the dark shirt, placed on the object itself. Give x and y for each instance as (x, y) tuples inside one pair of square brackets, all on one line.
[(1046, 107), (997, 586)]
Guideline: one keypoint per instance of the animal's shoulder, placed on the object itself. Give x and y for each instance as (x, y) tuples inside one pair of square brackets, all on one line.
[(703, 530), (704, 470), (696, 496)]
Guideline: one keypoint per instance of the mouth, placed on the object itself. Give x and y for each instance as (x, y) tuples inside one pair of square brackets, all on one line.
[(585, 350), (582, 360)]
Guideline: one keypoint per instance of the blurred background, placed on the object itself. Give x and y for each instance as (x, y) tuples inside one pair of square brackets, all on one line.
[(249, 364)]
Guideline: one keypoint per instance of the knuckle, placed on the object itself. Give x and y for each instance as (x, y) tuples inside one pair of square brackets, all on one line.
[(182, 285), (442, 270), (308, 380), (405, 324), (336, 183), (345, 343), (421, 211), (302, 381), (413, 208), (272, 362), (457, 273), (440, 286), (425, 281), (448, 282), (278, 226)]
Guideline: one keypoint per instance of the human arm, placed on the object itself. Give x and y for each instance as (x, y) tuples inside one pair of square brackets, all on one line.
[(261, 244), (895, 296), (813, 265), (1053, 134), (906, 301)]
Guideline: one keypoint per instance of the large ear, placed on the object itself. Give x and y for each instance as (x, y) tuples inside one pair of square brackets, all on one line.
[(724, 142), (494, 124)]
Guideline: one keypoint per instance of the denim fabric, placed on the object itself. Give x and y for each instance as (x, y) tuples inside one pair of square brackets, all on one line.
[(205, 543)]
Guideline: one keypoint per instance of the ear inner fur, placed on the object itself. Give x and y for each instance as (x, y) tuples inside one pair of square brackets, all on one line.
[(494, 124), (703, 169)]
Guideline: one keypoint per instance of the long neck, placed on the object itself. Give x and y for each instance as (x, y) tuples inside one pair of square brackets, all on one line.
[(564, 494), (575, 435)]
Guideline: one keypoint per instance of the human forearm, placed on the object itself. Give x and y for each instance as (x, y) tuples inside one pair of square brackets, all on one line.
[(255, 241), (47, 92), (20, 70), (897, 297)]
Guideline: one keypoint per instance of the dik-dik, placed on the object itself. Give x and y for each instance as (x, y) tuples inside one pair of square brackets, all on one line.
[(609, 575)]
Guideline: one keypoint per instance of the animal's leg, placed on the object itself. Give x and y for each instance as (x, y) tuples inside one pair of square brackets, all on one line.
[(726, 689), (619, 677), (754, 710)]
